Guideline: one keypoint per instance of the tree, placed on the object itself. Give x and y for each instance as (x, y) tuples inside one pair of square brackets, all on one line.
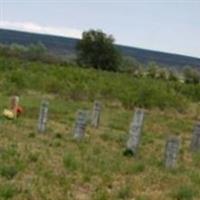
[(191, 75), (96, 49), (163, 74), (36, 51), (152, 70), (130, 65), (18, 48), (173, 76)]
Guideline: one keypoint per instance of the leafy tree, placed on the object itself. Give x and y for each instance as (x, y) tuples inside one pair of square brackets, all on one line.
[(152, 70), (36, 51), (130, 64), (163, 73), (96, 49), (191, 75), (18, 48), (173, 76)]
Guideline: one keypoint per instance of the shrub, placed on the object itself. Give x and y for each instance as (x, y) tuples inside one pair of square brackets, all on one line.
[(8, 171), (7, 191), (33, 157), (125, 192), (191, 75), (184, 192)]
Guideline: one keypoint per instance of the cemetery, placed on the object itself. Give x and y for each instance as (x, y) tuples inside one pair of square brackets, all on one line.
[(99, 100), (80, 141), (83, 137)]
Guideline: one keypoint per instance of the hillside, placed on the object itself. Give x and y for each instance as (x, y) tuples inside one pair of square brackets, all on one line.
[(66, 47), (53, 165)]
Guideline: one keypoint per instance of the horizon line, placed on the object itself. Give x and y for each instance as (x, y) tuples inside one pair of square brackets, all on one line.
[(78, 38)]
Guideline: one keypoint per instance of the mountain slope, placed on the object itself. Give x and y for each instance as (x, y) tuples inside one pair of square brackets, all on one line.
[(67, 47)]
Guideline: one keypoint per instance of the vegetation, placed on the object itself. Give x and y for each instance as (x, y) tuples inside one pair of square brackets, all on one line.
[(96, 49), (38, 52), (32, 52), (88, 84), (54, 166), (191, 75), (70, 82), (66, 47)]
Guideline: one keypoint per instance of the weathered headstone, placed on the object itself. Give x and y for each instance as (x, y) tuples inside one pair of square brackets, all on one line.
[(195, 143), (14, 102), (80, 124), (95, 119), (171, 152), (43, 116), (135, 132)]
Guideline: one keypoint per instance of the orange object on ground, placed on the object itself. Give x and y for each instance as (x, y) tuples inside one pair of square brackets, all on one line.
[(17, 111)]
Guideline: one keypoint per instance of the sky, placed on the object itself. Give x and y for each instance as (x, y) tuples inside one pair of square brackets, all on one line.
[(164, 25)]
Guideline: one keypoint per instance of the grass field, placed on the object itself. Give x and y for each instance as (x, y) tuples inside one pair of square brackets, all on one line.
[(54, 166)]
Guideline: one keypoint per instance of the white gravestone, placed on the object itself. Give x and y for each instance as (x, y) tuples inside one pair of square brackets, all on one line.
[(195, 143), (14, 102), (171, 152), (43, 116), (80, 124), (135, 131), (95, 119)]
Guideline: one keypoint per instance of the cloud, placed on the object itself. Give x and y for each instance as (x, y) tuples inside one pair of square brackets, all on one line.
[(36, 28)]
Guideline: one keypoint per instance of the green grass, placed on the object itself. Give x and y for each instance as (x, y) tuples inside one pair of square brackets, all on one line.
[(184, 193), (7, 191), (8, 171), (88, 84), (53, 165), (70, 162)]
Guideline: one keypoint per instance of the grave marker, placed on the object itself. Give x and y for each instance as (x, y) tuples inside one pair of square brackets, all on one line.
[(96, 114), (43, 116), (14, 102), (80, 124), (195, 143), (135, 132), (171, 152)]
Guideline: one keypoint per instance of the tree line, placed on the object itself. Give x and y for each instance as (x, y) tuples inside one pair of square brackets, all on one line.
[(96, 50)]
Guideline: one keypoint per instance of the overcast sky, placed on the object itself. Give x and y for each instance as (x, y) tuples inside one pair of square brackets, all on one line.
[(164, 25)]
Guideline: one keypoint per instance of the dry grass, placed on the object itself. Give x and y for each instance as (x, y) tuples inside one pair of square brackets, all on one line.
[(54, 166)]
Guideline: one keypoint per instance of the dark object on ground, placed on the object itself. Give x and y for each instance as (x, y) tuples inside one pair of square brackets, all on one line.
[(128, 152)]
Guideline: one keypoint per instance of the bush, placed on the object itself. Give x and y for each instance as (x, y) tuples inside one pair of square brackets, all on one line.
[(7, 191), (191, 75), (8, 171), (125, 192), (184, 193)]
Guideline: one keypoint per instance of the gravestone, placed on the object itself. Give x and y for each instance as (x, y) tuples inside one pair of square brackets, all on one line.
[(135, 132), (195, 143), (171, 152), (95, 119), (80, 124), (43, 116), (14, 102)]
